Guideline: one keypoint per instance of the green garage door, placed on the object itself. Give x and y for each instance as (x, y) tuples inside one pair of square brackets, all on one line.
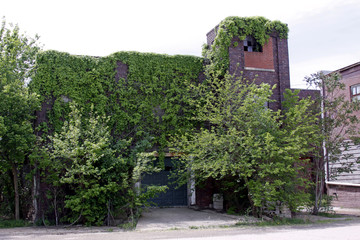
[(173, 196)]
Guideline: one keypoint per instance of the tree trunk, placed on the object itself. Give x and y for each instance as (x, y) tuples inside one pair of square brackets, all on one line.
[(16, 190), (254, 209), (35, 196)]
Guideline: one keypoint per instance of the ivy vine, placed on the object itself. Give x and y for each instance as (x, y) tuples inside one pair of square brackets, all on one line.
[(154, 98), (152, 101)]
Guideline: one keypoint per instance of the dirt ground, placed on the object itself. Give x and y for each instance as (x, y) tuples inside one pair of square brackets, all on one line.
[(173, 219)]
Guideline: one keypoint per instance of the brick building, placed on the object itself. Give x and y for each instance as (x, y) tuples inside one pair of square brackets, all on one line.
[(345, 189), (266, 64)]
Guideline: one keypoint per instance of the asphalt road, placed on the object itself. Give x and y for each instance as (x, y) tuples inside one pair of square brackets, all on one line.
[(344, 230)]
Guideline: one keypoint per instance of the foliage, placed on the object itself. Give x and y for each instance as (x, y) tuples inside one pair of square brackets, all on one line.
[(13, 223), (254, 144), (17, 105), (239, 28), (92, 173), (150, 100), (2, 127), (17, 54), (92, 165), (282, 222), (338, 125), (146, 101), (99, 178)]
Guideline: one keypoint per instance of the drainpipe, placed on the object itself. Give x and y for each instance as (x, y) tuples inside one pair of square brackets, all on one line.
[(323, 116)]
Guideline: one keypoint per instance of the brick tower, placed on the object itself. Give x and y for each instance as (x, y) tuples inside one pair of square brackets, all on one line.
[(268, 63)]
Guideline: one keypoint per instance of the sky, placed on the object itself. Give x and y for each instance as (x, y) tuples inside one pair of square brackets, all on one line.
[(324, 34)]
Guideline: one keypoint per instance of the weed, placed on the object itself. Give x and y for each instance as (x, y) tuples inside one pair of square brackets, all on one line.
[(275, 222), (174, 228), (194, 227), (13, 223), (329, 215), (128, 226), (326, 221), (282, 221)]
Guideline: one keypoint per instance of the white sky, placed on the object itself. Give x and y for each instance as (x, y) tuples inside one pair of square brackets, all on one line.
[(324, 34)]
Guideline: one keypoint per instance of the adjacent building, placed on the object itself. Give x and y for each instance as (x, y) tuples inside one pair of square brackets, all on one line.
[(345, 188)]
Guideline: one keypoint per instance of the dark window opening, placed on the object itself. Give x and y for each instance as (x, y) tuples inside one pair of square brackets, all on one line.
[(168, 168), (251, 45), (355, 92)]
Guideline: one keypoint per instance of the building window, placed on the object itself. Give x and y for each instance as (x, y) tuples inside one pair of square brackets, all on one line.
[(355, 92), (250, 45)]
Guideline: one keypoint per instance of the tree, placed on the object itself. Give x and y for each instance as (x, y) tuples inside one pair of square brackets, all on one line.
[(83, 159), (244, 139), (97, 177), (338, 124), (17, 105), (2, 127), (17, 54)]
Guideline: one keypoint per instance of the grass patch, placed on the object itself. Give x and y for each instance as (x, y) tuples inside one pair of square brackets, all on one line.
[(13, 223), (194, 227), (281, 222), (275, 222), (128, 226), (175, 228), (330, 215), (326, 221)]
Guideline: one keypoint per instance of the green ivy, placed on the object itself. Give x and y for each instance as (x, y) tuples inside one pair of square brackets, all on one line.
[(239, 27), (152, 101)]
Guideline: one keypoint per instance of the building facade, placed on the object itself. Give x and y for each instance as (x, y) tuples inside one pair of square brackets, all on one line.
[(345, 188), (72, 76), (264, 64)]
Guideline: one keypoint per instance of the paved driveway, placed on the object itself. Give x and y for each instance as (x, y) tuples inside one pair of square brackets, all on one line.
[(183, 218)]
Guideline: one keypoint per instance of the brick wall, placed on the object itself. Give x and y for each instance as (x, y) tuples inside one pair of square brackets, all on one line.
[(304, 93), (270, 66), (210, 36), (350, 75), (344, 196), (260, 66), (121, 71), (263, 60), (204, 193)]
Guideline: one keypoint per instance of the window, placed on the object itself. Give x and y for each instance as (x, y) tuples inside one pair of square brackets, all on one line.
[(355, 92), (250, 45)]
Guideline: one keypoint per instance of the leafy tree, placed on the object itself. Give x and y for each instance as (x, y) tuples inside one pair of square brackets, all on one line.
[(246, 140), (17, 54), (81, 152), (17, 105), (338, 125), (2, 127), (98, 177)]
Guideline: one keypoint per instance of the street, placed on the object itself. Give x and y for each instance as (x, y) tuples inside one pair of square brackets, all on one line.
[(344, 230)]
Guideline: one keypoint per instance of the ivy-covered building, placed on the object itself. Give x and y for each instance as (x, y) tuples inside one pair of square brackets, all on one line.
[(147, 96)]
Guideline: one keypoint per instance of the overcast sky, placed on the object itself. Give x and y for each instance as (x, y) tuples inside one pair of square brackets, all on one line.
[(324, 34)]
